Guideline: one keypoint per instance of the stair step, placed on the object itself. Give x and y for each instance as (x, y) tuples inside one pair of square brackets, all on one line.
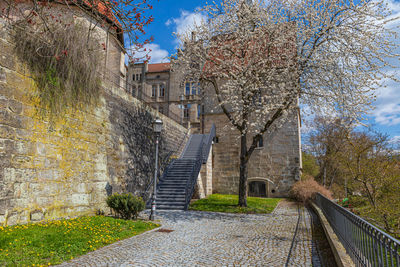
[(168, 207), (171, 197), (174, 182), (170, 202), (171, 191)]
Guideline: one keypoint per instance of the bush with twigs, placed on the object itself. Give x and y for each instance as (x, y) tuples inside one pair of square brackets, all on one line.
[(64, 61), (306, 190)]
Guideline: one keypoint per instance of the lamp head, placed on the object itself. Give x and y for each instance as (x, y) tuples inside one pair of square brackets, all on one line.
[(157, 126)]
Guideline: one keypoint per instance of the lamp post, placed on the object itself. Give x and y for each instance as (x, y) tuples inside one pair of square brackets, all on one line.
[(157, 127)]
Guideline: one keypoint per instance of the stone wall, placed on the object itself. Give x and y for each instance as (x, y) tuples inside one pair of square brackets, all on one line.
[(67, 167), (277, 163)]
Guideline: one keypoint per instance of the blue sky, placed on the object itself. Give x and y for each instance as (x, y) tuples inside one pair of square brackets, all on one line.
[(177, 15)]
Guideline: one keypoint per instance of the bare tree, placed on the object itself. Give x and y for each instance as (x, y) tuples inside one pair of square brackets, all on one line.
[(261, 57)]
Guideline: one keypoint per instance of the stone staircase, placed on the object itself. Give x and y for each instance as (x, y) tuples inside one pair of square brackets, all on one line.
[(176, 186)]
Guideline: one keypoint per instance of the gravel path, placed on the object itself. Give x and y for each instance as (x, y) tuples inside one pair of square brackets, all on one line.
[(217, 239)]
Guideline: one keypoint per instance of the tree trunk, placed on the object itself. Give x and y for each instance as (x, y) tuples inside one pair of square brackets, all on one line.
[(243, 172)]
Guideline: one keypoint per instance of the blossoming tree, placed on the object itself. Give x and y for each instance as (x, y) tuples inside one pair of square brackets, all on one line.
[(263, 59)]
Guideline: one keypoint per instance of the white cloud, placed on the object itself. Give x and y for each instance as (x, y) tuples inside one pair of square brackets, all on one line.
[(387, 105), (156, 53), (395, 140), (185, 22)]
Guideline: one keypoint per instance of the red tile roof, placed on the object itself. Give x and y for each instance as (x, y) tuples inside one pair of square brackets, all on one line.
[(159, 67)]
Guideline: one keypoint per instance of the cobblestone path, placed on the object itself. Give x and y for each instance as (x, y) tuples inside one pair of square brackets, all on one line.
[(216, 239)]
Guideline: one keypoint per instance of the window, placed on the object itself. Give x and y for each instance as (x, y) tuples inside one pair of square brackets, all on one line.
[(194, 87), (186, 110), (187, 89), (198, 110), (260, 143), (140, 77), (154, 90), (137, 77), (133, 77), (162, 90)]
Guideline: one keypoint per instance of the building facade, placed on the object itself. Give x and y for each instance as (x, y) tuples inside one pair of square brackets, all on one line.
[(274, 166), (164, 90)]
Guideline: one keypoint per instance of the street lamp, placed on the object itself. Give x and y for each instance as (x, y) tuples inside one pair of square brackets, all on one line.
[(157, 127)]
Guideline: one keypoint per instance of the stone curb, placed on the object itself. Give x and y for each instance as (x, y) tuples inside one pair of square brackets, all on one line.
[(341, 257)]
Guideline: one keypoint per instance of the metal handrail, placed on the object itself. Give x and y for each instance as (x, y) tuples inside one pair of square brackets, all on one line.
[(366, 244), (167, 165), (190, 185), (208, 143)]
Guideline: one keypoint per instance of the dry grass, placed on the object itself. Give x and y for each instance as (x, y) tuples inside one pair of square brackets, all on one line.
[(63, 60)]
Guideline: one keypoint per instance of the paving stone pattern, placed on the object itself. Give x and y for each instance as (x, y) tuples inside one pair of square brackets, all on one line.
[(216, 239)]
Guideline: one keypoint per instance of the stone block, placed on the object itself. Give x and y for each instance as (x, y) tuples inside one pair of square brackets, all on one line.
[(7, 132), (36, 216), (10, 119), (79, 199)]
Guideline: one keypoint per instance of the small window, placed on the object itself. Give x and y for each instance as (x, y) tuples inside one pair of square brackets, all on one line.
[(198, 110), (140, 77), (194, 87), (187, 89), (154, 90), (133, 77), (186, 111), (137, 77), (260, 143), (216, 139), (162, 90)]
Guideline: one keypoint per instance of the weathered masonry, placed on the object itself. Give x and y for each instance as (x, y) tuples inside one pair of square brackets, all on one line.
[(68, 167), (273, 167)]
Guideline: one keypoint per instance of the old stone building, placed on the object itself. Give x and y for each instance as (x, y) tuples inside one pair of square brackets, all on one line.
[(164, 90), (273, 167)]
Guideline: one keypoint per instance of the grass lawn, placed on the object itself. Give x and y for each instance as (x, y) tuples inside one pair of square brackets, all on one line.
[(54, 242), (228, 203)]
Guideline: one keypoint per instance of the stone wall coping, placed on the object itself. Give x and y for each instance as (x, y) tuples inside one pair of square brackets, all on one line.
[(341, 257)]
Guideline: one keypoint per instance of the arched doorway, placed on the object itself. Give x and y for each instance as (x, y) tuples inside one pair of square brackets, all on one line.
[(257, 189)]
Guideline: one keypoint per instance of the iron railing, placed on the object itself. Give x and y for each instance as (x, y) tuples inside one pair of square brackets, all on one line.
[(191, 183), (366, 244), (164, 167), (208, 143)]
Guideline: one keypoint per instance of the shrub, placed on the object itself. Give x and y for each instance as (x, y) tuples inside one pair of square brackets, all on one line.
[(306, 190), (125, 205)]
